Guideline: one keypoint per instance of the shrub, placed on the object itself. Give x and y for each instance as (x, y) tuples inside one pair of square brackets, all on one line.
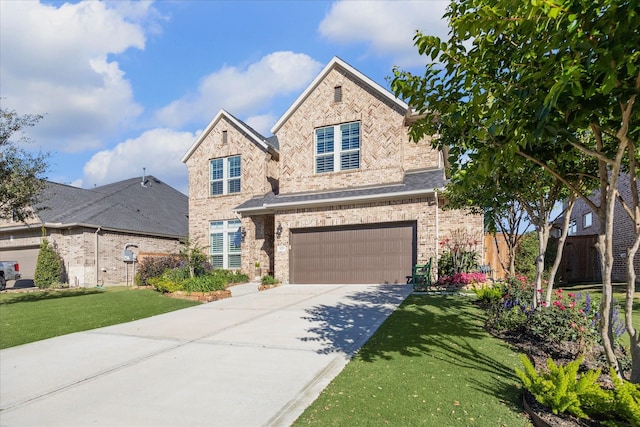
[(48, 266), (626, 400), (513, 310), (205, 283), (488, 296), (560, 388), (461, 279), (154, 267), (563, 391), (171, 280), (569, 318), (269, 280), (230, 276)]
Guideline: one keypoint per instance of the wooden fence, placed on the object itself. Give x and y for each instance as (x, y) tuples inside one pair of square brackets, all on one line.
[(494, 252), (579, 258)]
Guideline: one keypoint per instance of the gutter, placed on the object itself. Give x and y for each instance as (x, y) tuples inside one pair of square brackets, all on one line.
[(270, 207), (60, 226)]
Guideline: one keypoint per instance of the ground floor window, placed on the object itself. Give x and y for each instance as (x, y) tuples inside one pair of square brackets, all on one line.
[(225, 238)]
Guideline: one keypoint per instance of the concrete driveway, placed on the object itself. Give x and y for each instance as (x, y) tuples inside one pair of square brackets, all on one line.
[(251, 360)]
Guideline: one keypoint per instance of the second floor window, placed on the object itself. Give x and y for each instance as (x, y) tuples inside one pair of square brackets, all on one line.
[(225, 176), (337, 148)]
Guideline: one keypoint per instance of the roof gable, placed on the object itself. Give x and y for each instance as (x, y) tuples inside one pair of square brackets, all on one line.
[(336, 62), (253, 135)]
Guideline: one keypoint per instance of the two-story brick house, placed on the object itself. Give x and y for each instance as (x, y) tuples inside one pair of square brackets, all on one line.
[(339, 194)]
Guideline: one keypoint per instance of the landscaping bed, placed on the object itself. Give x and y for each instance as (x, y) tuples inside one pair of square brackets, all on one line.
[(201, 296), (553, 339)]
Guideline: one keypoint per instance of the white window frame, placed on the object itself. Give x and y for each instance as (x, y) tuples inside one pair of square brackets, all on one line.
[(226, 180), (587, 220), (338, 150), (573, 228), (228, 254)]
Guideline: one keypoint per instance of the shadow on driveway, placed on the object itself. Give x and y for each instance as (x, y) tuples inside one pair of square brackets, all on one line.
[(343, 327)]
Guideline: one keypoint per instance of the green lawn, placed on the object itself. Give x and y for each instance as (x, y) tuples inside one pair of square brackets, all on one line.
[(33, 316), (431, 363)]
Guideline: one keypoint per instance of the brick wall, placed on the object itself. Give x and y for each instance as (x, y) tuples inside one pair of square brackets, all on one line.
[(385, 148)]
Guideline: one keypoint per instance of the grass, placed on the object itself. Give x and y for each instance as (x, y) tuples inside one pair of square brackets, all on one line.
[(431, 363), (33, 316)]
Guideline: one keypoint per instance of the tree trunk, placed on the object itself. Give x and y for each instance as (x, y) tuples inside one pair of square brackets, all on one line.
[(605, 247), (628, 310), (563, 238), (543, 240)]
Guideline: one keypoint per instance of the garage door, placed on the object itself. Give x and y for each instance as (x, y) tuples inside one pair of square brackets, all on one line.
[(376, 253), (26, 257)]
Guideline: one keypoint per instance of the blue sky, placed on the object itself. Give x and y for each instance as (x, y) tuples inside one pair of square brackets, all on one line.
[(125, 85)]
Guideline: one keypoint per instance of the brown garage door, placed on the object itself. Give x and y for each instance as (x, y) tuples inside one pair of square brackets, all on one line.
[(375, 253), (26, 257)]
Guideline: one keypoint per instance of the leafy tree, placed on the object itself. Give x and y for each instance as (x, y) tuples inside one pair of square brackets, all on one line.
[(502, 213), (48, 267), (21, 173), (527, 80)]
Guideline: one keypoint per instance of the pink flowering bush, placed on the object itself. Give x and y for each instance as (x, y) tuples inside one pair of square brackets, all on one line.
[(461, 279), (570, 317)]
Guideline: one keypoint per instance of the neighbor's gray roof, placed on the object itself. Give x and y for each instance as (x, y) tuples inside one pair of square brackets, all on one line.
[(415, 184), (155, 208)]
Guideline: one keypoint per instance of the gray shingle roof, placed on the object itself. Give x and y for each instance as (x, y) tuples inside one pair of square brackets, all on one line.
[(414, 184), (155, 208)]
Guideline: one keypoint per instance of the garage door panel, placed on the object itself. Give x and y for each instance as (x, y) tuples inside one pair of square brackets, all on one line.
[(360, 254), (26, 257)]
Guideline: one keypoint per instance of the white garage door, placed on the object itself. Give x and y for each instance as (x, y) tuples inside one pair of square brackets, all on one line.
[(26, 257)]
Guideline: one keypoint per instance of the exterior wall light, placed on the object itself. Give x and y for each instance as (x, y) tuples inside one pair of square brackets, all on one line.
[(279, 230)]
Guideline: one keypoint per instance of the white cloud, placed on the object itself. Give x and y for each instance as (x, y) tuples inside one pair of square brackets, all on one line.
[(388, 27), (262, 123), (243, 90), (157, 150), (55, 61)]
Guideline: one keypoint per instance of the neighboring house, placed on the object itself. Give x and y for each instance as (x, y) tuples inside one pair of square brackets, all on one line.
[(80, 223), (339, 194), (580, 256)]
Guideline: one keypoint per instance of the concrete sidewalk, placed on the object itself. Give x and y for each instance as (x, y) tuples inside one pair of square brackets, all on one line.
[(251, 360)]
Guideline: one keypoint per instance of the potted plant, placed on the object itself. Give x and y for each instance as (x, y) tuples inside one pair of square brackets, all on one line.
[(258, 271)]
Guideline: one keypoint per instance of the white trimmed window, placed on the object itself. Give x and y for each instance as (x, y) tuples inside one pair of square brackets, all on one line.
[(337, 148), (224, 176), (587, 220), (573, 228), (225, 238)]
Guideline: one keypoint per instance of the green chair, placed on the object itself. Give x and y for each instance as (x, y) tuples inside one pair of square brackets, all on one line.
[(421, 276)]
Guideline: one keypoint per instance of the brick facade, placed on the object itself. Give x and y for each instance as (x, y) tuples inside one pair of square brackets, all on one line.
[(386, 155), (259, 175)]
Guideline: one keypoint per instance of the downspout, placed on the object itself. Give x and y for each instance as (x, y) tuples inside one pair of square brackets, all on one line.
[(97, 257), (437, 242)]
